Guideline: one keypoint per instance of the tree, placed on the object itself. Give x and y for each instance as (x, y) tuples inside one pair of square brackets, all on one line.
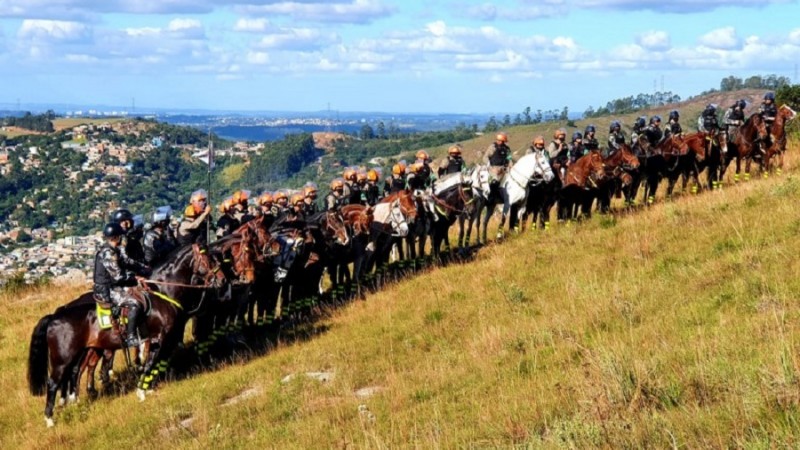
[(506, 120), (381, 129), (538, 117), (526, 116), (491, 125), (366, 132), (564, 115), (788, 94), (518, 120)]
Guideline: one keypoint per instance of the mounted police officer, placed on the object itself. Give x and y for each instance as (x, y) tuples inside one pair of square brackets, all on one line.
[(576, 148), (589, 140), (768, 112), (240, 207), (397, 182), (498, 157), (281, 202), (131, 244), (335, 198), (194, 225), (113, 272), (422, 176), (284, 229), (733, 119), (352, 191), (653, 132), (709, 123), (558, 144), (371, 191), (638, 129), (616, 137), (265, 203), (537, 146), (454, 162), (227, 222), (158, 240), (310, 206), (673, 127)]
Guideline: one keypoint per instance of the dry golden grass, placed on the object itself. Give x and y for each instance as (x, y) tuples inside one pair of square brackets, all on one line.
[(64, 123), (675, 326)]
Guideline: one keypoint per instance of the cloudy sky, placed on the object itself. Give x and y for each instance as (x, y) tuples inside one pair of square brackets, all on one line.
[(382, 55)]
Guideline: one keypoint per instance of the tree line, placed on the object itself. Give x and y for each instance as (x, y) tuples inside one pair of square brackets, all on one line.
[(42, 123)]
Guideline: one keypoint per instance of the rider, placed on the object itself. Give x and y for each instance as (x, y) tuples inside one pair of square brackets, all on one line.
[(310, 206), (558, 144), (240, 206), (768, 112), (455, 163), (194, 226), (291, 219), (638, 128), (707, 122), (113, 271), (131, 244), (537, 145), (674, 126), (352, 192), (397, 182), (371, 191), (422, 176), (281, 202), (733, 119), (227, 222), (361, 181), (498, 156), (158, 240), (576, 149), (653, 132), (265, 202), (589, 141), (616, 137), (335, 198)]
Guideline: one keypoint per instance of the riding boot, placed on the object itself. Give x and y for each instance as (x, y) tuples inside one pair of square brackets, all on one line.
[(132, 328)]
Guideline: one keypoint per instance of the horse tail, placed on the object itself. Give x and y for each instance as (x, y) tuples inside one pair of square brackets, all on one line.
[(37, 357)]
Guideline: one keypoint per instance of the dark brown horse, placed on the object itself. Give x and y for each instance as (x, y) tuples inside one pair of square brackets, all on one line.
[(745, 145), (60, 340), (452, 199), (684, 157), (653, 162)]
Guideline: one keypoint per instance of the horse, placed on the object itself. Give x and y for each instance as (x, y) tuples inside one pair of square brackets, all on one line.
[(583, 174), (452, 199), (619, 166), (392, 221), (513, 187), (687, 159), (61, 339), (653, 164), (745, 145), (777, 134), (479, 178)]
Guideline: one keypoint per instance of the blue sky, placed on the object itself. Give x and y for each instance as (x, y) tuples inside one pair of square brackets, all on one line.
[(458, 56)]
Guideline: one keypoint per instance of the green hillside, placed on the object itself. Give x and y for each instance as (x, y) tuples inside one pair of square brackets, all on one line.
[(675, 326)]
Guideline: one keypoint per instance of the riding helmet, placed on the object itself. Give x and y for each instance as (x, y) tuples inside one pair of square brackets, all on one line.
[(112, 230)]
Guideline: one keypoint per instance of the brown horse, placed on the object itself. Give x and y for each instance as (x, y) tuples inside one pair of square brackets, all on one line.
[(653, 165), (745, 145), (686, 157), (583, 174), (618, 167), (777, 133), (60, 340)]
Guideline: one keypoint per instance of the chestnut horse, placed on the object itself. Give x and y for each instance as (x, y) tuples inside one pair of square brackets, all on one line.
[(619, 167), (687, 159), (745, 146), (777, 133), (583, 174)]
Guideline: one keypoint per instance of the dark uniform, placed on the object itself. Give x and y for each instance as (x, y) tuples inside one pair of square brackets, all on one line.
[(499, 155), (226, 225), (356, 196), (654, 134), (157, 244), (288, 221), (708, 120), (421, 179), (373, 194), (455, 164), (309, 209), (733, 119), (193, 230), (113, 271), (590, 142), (394, 184), (334, 202), (616, 137)]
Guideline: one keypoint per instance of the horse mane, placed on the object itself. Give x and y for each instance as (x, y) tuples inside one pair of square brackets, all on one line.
[(174, 258)]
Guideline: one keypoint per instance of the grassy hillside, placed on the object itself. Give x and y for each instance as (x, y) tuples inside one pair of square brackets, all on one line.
[(676, 326)]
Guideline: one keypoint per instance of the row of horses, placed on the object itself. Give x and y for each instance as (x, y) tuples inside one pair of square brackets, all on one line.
[(231, 285)]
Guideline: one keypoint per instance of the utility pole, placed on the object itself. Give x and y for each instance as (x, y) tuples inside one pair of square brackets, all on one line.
[(210, 157)]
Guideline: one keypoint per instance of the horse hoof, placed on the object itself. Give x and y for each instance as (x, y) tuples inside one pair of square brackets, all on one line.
[(49, 422), (140, 394), (72, 398), (62, 401)]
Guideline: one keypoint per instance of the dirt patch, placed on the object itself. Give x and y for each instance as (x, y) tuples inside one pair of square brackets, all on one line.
[(244, 395)]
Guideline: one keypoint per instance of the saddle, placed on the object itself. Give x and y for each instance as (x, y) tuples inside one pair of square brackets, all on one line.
[(116, 319)]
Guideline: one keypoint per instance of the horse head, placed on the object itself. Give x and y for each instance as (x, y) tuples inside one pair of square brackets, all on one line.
[(335, 225), (543, 166), (241, 248), (629, 160), (759, 125), (202, 267), (481, 180), (597, 168), (786, 113)]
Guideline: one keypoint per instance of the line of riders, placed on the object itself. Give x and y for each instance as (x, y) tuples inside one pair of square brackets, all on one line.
[(288, 240), (129, 251)]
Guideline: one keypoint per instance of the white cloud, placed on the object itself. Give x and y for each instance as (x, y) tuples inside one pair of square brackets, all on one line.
[(354, 11), (301, 39), (52, 30), (258, 58), (249, 25), (654, 40), (794, 36), (721, 39)]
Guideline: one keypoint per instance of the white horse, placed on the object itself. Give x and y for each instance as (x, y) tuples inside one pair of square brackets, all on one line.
[(479, 181), (514, 185)]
